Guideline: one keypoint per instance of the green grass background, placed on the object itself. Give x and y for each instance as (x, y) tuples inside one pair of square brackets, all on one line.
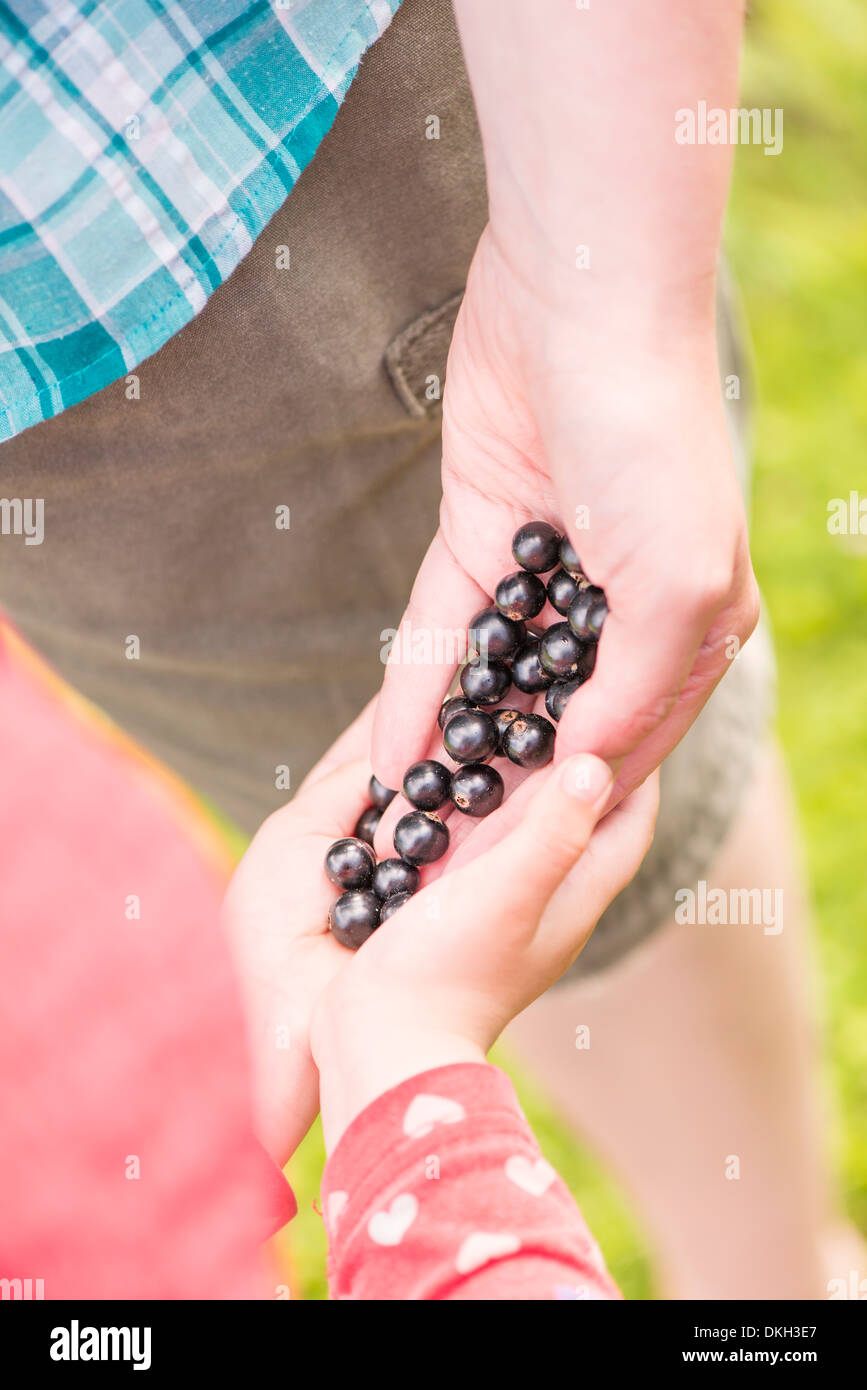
[(797, 241)]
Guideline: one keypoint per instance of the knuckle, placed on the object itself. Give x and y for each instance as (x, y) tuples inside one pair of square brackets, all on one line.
[(626, 731), (700, 585), (714, 588), (564, 842)]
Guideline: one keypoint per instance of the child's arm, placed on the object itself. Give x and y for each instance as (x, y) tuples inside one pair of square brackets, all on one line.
[(436, 1187), (494, 924), (438, 1191)]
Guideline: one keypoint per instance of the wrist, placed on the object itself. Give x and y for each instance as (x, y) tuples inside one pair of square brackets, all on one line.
[(620, 316), (363, 1049)]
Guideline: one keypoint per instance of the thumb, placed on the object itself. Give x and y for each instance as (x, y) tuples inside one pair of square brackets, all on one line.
[(518, 876)]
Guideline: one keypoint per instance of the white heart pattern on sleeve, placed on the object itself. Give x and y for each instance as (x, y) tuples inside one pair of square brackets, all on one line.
[(426, 1111), (533, 1177), (483, 1246), (389, 1227)]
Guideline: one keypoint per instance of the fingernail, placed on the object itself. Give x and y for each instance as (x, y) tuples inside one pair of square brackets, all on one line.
[(587, 778)]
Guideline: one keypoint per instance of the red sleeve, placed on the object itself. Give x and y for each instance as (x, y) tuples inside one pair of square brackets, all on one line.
[(438, 1190), (128, 1162)]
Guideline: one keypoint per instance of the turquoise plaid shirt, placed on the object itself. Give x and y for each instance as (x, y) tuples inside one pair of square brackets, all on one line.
[(143, 147)]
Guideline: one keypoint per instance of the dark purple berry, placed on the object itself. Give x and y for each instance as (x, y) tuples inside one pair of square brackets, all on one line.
[(420, 837), (557, 697), (477, 789), (503, 718), (453, 706), (394, 876), (380, 795), (559, 651), (365, 826), (493, 635), (520, 595), (392, 905), (349, 863), (354, 917), (587, 661), (536, 547), (471, 736), (580, 609), (426, 785), (529, 741), (569, 558), (485, 682), (527, 673), (596, 617), (562, 588)]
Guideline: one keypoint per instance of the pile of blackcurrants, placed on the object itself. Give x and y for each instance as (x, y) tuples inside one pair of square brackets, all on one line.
[(505, 653)]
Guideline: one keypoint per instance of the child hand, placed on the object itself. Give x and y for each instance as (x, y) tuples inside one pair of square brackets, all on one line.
[(439, 980), (496, 922), (276, 918)]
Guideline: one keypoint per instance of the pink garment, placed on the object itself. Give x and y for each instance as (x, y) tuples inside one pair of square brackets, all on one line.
[(128, 1165), (438, 1190)]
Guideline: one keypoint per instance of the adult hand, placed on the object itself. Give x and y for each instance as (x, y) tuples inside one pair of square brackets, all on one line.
[(549, 412), (583, 370)]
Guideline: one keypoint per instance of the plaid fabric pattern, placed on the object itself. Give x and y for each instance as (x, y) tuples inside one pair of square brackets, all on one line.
[(143, 147)]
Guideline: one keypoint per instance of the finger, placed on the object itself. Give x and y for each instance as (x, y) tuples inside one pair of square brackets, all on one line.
[(353, 743), (713, 660), (641, 668), (514, 880), (611, 860), (283, 865), (470, 837), (423, 659), (330, 805)]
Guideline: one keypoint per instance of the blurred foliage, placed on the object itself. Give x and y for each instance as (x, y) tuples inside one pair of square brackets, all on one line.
[(797, 241), (797, 237)]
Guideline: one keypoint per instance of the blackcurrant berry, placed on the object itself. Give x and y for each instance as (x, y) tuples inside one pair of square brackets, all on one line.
[(529, 741), (354, 917), (557, 697), (394, 876), (536, 547), (520, 595), (420, 837), (349, 863), (453, 706), (562, 588), (587, 661), (569, 558), (477, 789), (559, 651), (596, 617), (527, 673), (380, 795), (365, 826), (392, 905), (580, 609), (493, 635), (470, 736), (503, 718), (426, 784), (485, 682)]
